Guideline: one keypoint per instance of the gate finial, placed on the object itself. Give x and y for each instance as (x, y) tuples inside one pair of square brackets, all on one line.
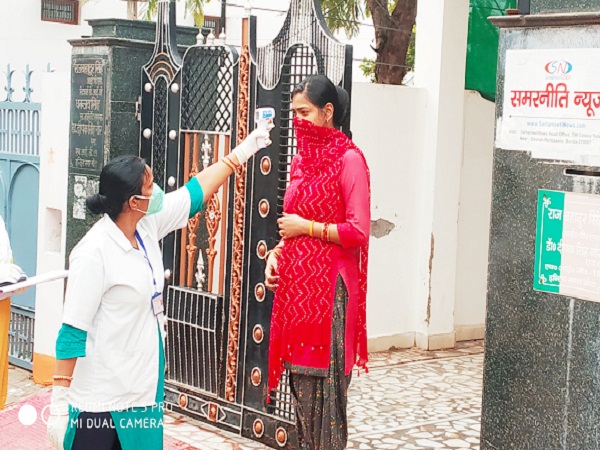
[(9, 89), (165, 60), (27, 88)]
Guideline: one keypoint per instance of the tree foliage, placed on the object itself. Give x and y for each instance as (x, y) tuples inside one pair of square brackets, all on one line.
[(193, 7), (368, 67), (393, 20), (344, 15)]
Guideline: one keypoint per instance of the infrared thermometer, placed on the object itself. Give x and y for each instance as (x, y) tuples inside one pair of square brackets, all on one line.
[(261, 120)]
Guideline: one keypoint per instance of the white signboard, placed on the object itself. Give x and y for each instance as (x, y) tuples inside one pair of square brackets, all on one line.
[(551, 103)]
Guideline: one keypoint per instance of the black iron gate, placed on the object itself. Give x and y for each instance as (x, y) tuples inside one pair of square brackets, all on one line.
[(195, 109)]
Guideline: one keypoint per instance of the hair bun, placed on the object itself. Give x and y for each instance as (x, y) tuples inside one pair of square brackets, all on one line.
[(96, 203), (341, 112)]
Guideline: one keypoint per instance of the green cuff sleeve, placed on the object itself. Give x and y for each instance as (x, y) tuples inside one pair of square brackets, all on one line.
[(70, 342), (196, 195)]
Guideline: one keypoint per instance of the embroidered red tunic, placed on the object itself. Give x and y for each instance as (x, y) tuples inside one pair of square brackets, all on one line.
[(329, 183)]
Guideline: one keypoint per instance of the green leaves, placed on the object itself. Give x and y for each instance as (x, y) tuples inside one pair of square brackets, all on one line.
[(196, 9), (344, 15), (193, 7), (368, 68)]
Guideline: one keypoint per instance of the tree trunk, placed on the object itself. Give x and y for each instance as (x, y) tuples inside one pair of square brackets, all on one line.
[(132, 9), (392, 38)]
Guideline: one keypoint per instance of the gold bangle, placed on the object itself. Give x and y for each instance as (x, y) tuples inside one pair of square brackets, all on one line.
[(228, 163), (328, 229), (62, 377), (228, 158), (311, 228)]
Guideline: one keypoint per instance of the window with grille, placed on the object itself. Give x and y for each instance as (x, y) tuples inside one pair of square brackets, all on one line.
[(214, 23), (62, 11)]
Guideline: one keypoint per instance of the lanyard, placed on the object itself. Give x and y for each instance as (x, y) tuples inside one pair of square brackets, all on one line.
[(139, 238)]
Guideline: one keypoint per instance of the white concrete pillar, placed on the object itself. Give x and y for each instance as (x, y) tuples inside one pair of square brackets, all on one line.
[(52, 219), (441, 45)]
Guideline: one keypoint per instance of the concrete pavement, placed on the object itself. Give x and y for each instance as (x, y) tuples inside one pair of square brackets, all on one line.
[(410, 399)]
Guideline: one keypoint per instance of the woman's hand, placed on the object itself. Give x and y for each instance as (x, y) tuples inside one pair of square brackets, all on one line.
[(271, 276), (292, 225)]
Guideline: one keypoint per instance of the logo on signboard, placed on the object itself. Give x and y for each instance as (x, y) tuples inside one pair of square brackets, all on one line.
[(558, 70)]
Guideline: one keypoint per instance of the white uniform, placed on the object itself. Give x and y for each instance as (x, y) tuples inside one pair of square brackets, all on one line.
[(109, 295)]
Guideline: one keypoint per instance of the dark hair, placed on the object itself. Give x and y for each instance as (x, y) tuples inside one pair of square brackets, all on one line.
[(320, 90), (121, 178)]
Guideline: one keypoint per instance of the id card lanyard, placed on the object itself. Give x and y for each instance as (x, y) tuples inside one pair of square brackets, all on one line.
[(156, 300)]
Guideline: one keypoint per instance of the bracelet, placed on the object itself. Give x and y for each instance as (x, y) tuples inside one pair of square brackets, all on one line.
[(228, 163), (62, 377), (328, 229), (325, 232), (233, 163), (311, 228), (275, 250)]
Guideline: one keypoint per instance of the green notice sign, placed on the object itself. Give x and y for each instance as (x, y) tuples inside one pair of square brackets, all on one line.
[(548, 242), (567, 247)]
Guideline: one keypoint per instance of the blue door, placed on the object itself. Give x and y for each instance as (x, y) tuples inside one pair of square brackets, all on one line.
[(19, 183), (22, 221), (19, 195)]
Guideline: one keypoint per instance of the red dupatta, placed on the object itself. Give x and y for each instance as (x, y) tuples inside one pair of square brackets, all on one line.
[(302, 313)]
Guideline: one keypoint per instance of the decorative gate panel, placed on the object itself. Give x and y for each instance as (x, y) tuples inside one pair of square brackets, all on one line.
[(303, 47), (160, 114), (218, 308)]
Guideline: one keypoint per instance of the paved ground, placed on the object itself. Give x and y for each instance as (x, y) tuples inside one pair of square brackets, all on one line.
[(409, 400)]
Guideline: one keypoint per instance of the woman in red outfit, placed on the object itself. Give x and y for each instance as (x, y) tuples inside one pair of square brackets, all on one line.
[(319, 269)]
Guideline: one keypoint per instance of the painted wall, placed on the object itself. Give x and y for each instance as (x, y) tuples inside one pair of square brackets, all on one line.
[(52, 218), (440, 69), (474, 218), (388, 125), (26, 39)]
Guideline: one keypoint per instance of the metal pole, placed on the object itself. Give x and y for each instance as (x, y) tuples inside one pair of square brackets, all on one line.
[(132, 9), (223, 17)]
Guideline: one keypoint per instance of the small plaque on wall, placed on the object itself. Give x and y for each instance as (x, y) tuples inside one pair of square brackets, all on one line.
[(567, 251), (87, 128)]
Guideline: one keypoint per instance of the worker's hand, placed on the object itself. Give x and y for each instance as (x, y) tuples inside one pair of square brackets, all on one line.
[(249, 146), (58, 420)]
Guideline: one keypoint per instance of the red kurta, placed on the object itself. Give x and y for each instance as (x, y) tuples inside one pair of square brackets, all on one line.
[(329, 183)]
